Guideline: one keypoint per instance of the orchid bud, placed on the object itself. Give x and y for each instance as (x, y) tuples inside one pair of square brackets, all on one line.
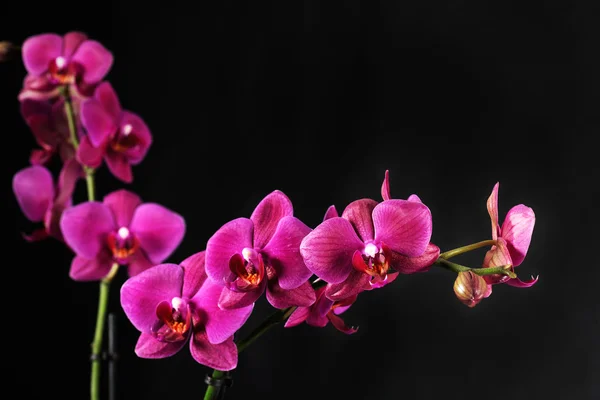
[(6, 49), (470, 288)]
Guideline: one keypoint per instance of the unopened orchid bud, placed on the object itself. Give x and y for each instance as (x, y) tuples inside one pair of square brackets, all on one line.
[(470, 288), (5, 49)]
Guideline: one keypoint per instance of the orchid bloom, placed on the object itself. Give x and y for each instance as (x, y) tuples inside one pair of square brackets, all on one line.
[(424, 262), (512, 241), (120, 229), (121, 137), (53, 61), (322, 312), (171, 304), (43, 201), (250, 255), (366, 243), (48, 124)]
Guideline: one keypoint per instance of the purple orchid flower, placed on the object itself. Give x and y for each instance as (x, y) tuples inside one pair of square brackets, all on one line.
[(171, 304), (512, 241), (122, 230), (322, 312), (251, 255), (360, 247), (119, 137), (43, 201), (48, 124), (53, 61), (411, 265)]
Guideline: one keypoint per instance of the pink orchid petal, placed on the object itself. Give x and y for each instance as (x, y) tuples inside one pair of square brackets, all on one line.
[(40, 156), (385, 186), (194, 274), (148, 346), (122, 203), (95, 59), (267, 214), (360, 215), (331, 213), (340, 325), (222, 356), (328, 249), (391, 277), (283, 251), (72, 41), (40, 50), (228, 240), (30, 108), (516, 282), (119, 166), (411, 265), (136, 154), (517, 230), (231, 299), (414, 198), (85, 228), (97, 121), (302, 296), (89, 155), (106, 96), (350, 287), (404, 226), (142, 293), (138, 263), (297, 317), (219, 324), (70, 173), (34, 190), (158, 229), (492, 206), (95, 269)]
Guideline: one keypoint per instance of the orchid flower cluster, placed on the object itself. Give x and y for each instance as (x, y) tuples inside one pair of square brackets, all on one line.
[(308, 274)]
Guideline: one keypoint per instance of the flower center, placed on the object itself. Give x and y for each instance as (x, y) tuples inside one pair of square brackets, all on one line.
[(62, 72), (174, 320), (373, 261), (125, 139), (247, 271), (123, 244)]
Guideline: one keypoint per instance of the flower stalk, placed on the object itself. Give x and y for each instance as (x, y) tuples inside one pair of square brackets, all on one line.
[(503, 269), (464, 249)]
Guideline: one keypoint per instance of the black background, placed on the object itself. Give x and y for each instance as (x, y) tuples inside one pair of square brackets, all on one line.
[(318, 99)]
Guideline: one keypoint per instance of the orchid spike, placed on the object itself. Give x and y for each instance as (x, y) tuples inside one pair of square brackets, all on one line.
[(172, 304), (120, 229), (249, 256)]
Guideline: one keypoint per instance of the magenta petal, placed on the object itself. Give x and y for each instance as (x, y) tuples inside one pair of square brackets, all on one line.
[(158, 229), (340, 325), (142, 293), (328, 249), (136, 154), (148, 347), (283, 251), (359, 213), (297, 317), (492, 206), (352, 286), (89, 155), (230, 299), (302, 296), (517, 230), (97, 121), (267, 214), (230, 239), (331, 213), (34, 189), (516, 282), (411, 265), (107, 98), (138, 263), (122, 203), (219, 324), (404, 226), (67, 180), (40, 50), (86, 226), (95, 59), (222, 356), (119, 166), (71, 42), (414, 198), (194, 274), (385, 186), (95, 269)]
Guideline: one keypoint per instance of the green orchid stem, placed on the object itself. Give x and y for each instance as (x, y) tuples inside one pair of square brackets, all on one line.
[(213, 391), (452, 253), (70, 112), (98, 335), (503, 269)]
